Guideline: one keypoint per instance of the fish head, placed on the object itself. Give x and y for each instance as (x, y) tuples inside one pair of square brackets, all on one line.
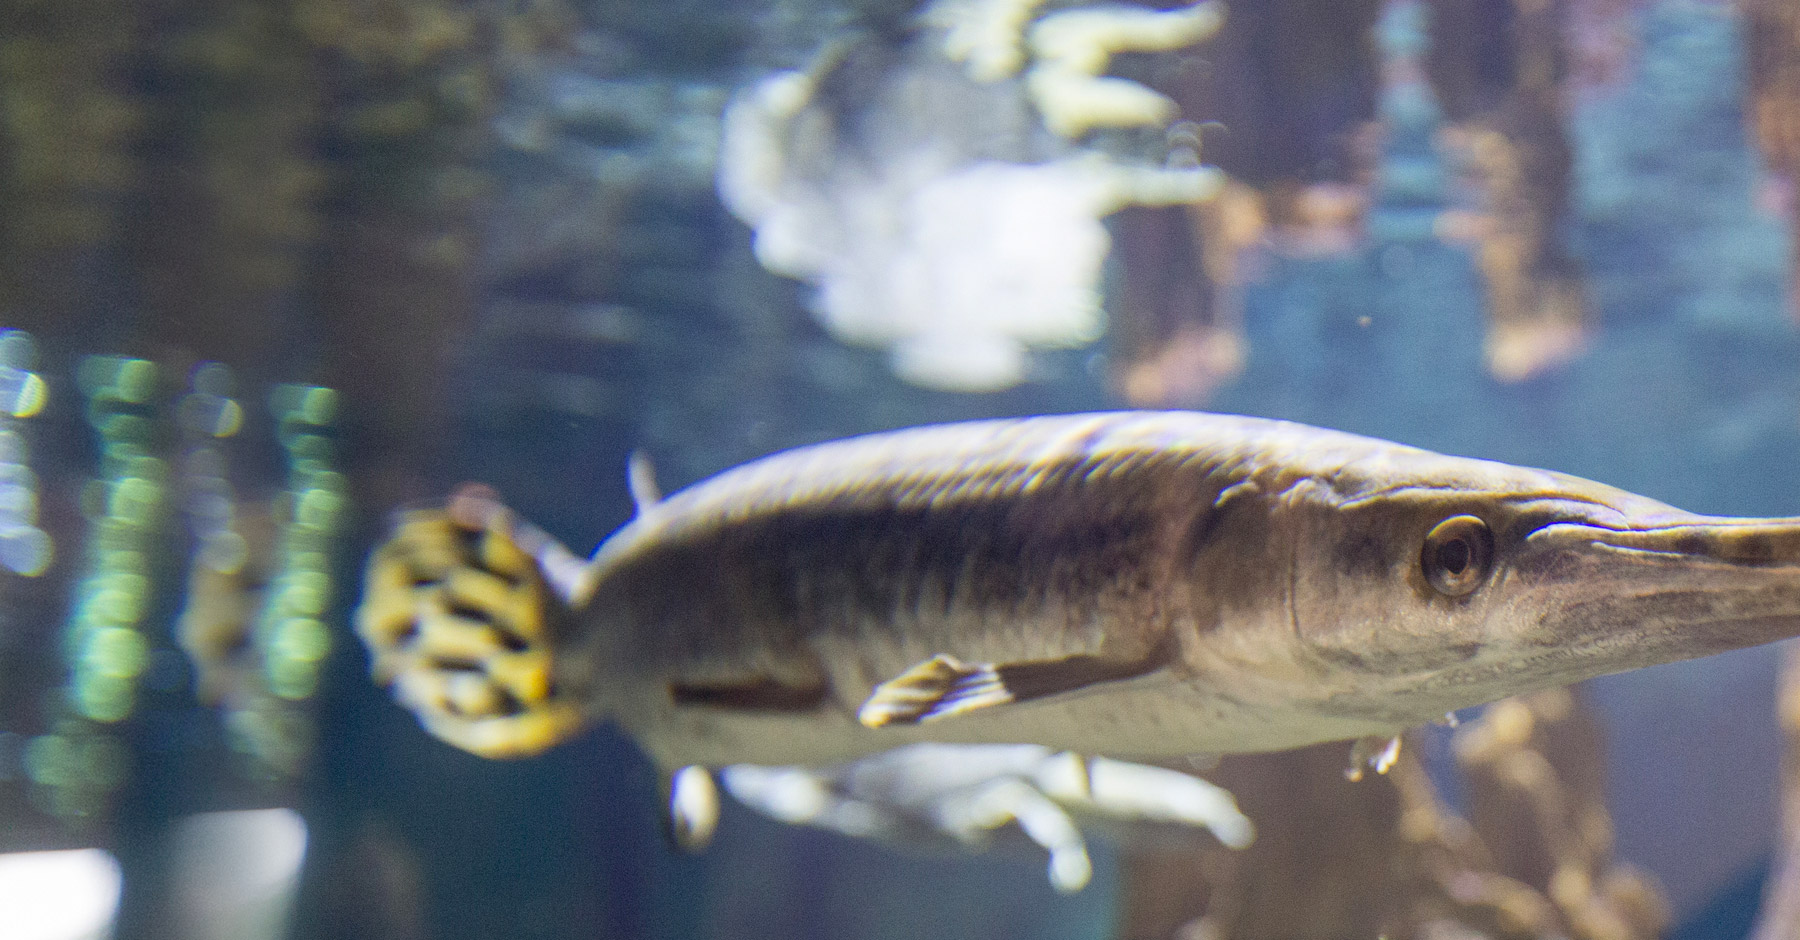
[(1429, 583)]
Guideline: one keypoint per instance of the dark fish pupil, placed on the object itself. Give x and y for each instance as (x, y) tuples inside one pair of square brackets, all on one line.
[(1454, 555)]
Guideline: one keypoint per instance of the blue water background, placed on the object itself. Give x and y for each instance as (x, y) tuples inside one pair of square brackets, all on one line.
[(1690, 394)]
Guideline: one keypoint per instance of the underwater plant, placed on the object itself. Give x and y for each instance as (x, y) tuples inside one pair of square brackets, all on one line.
[(254, 645), (947, 207)]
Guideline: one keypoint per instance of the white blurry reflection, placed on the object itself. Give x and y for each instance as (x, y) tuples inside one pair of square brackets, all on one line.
[(72, 895), (964, 792), (235, 873)]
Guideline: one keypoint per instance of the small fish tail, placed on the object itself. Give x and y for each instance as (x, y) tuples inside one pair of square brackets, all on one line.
[(455, 616)]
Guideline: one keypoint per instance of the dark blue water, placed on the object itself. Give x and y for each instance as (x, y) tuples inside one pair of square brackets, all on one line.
[(1690, 393), (617, 307)]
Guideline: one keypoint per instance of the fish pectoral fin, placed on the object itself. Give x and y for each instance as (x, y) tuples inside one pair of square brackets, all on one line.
[(936, 688), (943, 686)]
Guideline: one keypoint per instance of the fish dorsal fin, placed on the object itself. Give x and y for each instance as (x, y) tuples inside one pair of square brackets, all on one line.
[(640, 476)]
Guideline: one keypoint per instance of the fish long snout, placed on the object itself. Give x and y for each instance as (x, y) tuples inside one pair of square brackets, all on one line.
[(1703, 541), (1633, 592)]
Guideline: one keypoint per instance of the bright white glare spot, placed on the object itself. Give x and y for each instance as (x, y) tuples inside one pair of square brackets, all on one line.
[(693, 806), (1157, 794), (792, 795), (58, 895), (235, 873)]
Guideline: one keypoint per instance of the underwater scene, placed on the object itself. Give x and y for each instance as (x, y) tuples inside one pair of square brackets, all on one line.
[(1004, 469)]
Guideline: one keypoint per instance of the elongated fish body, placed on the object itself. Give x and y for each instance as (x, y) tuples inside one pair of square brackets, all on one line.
[(808, 578), (1133, 584)]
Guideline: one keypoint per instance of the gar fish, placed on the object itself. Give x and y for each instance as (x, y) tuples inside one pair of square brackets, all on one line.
[(1134, 584)]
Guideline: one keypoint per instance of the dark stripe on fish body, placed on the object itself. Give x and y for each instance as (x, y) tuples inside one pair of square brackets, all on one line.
[(957, 565)]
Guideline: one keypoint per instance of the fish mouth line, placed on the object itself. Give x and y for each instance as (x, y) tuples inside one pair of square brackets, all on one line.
[(1732, 543), (1661, 554)]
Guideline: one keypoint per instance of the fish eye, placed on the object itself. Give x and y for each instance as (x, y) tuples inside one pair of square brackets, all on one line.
[(1457, 555)]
